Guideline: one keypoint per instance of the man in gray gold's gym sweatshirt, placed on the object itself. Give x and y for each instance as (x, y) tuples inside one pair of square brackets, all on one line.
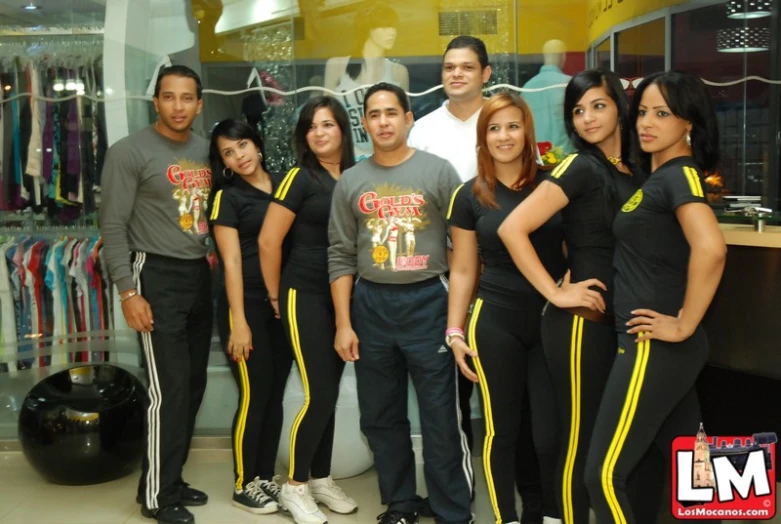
[(388, 235), (153, 221)]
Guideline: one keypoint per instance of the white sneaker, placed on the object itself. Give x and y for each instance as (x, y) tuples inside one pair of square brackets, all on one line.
[(327, 492), (299, 502), (550, 520)]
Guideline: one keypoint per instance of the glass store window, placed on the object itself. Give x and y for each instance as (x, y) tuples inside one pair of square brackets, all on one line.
[(88, 67), (725, 50), (640, 50)]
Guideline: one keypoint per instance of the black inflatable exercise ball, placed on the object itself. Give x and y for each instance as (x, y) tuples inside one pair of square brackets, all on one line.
[(84, 425)]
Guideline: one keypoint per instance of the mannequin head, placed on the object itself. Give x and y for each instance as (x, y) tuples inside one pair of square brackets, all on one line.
[(379, 28), (555, 53)]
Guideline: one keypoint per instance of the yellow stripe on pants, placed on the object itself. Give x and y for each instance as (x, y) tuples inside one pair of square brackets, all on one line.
[(576, 345), (241, 423), (622, 430), (296, 342), (490, 431)]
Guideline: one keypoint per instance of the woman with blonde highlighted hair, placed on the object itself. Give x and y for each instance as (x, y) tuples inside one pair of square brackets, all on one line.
[(501, 347)]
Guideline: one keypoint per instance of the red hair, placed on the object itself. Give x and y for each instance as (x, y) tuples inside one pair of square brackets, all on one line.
[(485, 185)]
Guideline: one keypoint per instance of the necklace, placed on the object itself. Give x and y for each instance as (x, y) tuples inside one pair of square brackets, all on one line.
[(614, 160), (327, 162)]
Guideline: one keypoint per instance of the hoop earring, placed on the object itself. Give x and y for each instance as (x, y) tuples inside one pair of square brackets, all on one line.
[(227, 177), (260, 155), (688, 139)]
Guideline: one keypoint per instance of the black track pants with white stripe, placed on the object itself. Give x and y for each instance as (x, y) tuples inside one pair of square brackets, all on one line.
[(176, 354), (401, 329)]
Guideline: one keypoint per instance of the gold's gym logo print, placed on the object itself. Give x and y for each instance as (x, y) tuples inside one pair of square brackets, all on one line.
[(633, 202), (193, 183), (394, 217)]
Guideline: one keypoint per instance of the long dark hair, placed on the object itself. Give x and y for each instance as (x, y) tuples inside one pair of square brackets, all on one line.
[(231, 129), (576, 88), (304, 155), (688, 98)]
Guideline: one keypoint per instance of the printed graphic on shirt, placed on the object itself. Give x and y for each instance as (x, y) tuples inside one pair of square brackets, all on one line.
[(633, 202), (394, 215), (193, 183), (353, 103)]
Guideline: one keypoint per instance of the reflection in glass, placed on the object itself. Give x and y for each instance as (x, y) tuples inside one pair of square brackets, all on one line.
[(366, 66)]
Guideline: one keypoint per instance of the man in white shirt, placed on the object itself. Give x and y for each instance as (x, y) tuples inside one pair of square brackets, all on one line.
[(451, 131)]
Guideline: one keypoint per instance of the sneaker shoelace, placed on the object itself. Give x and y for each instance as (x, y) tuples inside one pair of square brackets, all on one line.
[(256, 493), (271, 487)]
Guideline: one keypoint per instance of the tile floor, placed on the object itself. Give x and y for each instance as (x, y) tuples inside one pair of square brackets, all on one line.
[(26, 498)]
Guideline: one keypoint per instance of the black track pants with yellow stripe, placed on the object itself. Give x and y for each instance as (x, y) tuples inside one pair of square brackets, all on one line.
[(261, 380), (579, 354), (649, 399), (510, 360), (311, 327)]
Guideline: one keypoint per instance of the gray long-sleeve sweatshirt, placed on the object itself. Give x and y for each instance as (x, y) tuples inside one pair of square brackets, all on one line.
[(388, 224), (153, 200)]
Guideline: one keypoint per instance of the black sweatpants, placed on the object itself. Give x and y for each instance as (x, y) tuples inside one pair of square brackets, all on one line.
[(176, 354), (579, 354), (649, 399), (261, 380), (401, 329), (510, 358), (310, 326)]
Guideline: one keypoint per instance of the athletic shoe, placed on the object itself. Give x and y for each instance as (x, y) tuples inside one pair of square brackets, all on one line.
[(327, 492), (271, 488), (550, 520), (397, 517), (253, 499), (299, 502), (174, 514)]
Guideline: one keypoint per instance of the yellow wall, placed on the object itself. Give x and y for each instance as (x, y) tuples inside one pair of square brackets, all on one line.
[(321, 34)]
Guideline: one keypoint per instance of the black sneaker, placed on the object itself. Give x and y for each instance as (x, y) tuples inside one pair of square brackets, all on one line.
[(397, 517), (191, 496), (175, 514), (253, 499), (270, 488)]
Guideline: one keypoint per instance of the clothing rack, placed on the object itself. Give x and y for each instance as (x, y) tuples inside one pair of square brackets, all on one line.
[(55, 296)]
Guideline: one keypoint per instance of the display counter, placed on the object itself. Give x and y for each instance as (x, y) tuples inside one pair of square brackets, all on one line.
[(744, 369)]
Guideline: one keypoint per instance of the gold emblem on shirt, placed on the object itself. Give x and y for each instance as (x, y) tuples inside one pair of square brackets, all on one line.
[(633, 202), (186, 221), (380, 254)]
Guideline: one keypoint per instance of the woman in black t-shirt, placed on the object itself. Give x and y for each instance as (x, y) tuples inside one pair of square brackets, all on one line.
[(503, 336), (588, 189), (259, 356), (670, 256), (301, 296)]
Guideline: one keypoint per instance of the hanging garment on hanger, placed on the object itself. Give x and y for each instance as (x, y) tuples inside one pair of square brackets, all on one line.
[(7, 309), (34, 164)]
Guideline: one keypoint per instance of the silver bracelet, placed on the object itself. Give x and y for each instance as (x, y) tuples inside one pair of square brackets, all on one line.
[(128, 296)]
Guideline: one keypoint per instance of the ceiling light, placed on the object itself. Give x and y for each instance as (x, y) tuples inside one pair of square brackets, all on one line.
[(70, 85), (31, 7), (743, 40), (59, 86), (749, 8)]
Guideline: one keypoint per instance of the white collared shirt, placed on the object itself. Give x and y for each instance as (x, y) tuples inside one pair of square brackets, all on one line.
[(446, 136)]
